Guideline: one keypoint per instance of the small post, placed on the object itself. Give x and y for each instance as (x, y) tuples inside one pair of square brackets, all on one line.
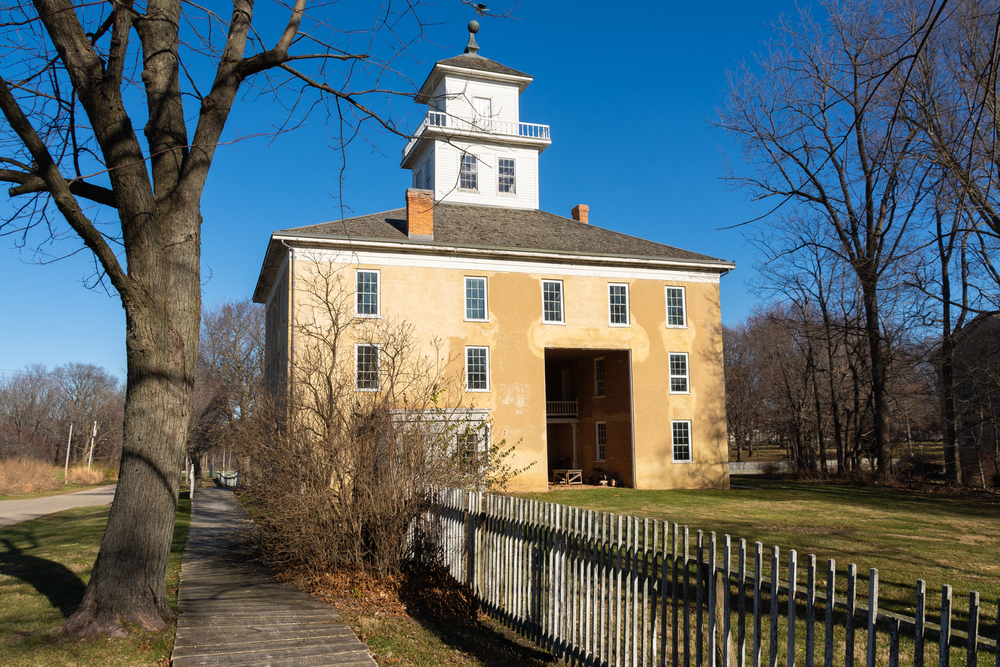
[(191, 479), (93, 436), (69, 441)]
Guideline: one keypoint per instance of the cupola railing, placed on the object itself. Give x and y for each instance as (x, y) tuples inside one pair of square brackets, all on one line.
[(480, 125)]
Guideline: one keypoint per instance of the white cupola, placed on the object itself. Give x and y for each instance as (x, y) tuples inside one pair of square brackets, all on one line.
[(472, 147)]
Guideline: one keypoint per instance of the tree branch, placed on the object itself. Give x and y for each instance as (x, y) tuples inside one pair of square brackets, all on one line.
[(60, 190)]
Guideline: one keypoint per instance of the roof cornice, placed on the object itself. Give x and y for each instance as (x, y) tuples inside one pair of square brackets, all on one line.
[(564, 257), (438, 71)]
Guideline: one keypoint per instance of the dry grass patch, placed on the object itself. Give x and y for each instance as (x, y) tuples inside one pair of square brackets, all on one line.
[(81, 475), (23, 475)]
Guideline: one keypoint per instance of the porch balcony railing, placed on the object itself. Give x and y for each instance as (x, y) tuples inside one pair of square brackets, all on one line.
[(477, 126), (561, 408)]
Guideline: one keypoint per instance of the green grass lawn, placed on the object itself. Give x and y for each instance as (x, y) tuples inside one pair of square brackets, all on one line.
[(907, 535), (45, 565)]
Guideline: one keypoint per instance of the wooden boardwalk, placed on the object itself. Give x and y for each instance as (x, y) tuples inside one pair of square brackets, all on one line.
[(234, 613)]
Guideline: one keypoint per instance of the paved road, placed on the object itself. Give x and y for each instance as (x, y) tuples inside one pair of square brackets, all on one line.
[(16, 511), (234, 613)]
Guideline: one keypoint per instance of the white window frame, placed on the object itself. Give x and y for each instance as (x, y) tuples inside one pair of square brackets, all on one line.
[(600, 384), (468, 382), (666, 301), (513, 176), (475, 172), (378, 366), (378, 294), (562, 303), (687, 372), (486, 302), (628, 314), (674, 445), (598, 445)]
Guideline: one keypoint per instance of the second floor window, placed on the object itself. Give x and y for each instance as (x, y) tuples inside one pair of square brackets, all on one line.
[(618, 305), (506, 171), (475, 299), (468, 176), (366, 293), (679, 373), (477, 368), (366, 367), (552, 301), (675, 307)]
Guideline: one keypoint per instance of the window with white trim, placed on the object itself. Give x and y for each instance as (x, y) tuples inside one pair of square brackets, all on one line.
[(505, 171), (552, 302), (676, 317), (475, 299), (473, 443), (618, 305), (366, 367), (468, 173), (366, 293), (602, 442), (599, 376), (681, 434), (477, 368), (679, 373)]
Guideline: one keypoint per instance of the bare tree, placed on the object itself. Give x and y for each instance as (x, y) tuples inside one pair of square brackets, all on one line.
[(82, 78), (342, 466), (819, 127)]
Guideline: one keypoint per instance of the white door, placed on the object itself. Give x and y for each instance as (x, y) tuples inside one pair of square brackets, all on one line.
[(484, 112)]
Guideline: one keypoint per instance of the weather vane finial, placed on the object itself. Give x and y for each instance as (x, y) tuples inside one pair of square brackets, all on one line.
[(472, 48)]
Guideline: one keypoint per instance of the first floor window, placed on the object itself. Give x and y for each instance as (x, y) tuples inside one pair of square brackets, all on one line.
[(602, 441), (675, 307), (681, 431), (475, 299), (477, 369), (506, 171), (552, 301), (366, 367), (366, 293), (679, 373), (473, 443), (468, 176), (599, 377), (618, 305)]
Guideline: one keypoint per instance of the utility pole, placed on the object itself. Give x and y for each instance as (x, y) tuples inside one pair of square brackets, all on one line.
[(93, 435), (69, 441)]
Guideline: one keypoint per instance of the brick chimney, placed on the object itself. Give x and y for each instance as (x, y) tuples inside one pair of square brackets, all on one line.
[(420, 214), (580, 213)]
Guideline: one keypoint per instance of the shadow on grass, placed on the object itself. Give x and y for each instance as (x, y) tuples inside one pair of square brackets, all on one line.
[(487, 645), (63, 588), (446, 609)]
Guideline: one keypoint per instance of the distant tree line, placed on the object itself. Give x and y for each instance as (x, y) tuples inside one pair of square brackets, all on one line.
[(38, 406), (870, 131)]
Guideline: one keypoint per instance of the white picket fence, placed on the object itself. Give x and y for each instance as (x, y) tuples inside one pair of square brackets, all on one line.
[(596, 588)]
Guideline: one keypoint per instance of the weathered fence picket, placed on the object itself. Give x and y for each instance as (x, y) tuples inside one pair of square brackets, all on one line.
[(596, 588)]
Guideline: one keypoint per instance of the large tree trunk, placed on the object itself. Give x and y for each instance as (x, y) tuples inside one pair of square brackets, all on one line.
[(880, 375), (129, 578)]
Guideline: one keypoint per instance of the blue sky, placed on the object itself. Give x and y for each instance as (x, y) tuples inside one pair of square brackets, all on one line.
[(629, 90)]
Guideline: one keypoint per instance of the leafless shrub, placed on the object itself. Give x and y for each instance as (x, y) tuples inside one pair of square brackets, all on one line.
[(340, 464), (25, 475)]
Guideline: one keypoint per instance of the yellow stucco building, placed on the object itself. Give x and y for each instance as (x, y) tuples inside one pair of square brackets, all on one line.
[(594, 351)]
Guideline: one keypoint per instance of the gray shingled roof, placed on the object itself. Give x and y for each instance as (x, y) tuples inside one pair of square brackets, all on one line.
[(477, 62), (463, 225)]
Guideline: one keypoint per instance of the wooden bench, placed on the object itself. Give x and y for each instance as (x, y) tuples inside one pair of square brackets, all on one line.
[(567, 476)]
